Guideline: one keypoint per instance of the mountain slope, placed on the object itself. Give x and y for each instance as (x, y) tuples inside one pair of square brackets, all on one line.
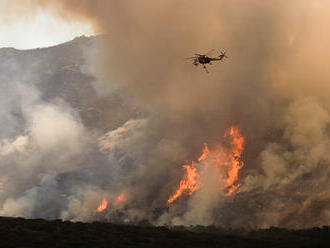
[(57, 72)]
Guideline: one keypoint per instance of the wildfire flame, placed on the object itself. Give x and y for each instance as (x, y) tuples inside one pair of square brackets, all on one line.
[(189, 183), (205, 154), (103, 205), (237, 146), (227, 163)]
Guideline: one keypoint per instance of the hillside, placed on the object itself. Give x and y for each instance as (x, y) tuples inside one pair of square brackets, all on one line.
[(57, 72), (54, 171)]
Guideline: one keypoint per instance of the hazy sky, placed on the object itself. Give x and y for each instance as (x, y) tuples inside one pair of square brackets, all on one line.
[(41, 30)]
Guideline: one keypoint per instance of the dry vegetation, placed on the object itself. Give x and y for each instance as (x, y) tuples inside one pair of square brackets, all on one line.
[(18, 232)]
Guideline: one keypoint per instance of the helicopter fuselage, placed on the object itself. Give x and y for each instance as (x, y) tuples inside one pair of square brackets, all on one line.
[(206, 59), (202, 59)]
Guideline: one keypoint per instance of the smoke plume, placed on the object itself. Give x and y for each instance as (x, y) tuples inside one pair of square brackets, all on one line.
[(274, 86)]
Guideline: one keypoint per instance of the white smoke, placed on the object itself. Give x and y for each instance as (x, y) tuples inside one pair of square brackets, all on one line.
[(47, 139)]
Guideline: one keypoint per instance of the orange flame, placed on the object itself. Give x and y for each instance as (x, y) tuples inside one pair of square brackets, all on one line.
[(103, 205), (206, 152), (228, 163), (189, 184), (237, 146)]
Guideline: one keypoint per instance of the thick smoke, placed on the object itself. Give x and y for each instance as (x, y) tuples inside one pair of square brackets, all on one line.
[(274, 86), (38, 141)]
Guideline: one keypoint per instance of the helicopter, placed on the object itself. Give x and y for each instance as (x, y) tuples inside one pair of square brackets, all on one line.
[(203, 59)]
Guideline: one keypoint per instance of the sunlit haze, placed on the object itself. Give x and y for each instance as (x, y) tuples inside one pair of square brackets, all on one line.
[(41, 30)]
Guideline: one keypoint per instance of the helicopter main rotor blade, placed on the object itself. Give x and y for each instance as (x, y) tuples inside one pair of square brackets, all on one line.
[(210, 52), (190, 57)]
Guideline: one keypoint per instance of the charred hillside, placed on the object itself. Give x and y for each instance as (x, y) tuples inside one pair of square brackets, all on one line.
[(18, 232)]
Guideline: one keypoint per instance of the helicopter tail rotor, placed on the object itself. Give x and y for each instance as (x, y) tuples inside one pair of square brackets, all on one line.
[(223, 55)]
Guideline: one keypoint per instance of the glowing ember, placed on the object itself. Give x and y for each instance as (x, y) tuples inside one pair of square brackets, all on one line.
[(227, 163), (103, 205), (120, 198)]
